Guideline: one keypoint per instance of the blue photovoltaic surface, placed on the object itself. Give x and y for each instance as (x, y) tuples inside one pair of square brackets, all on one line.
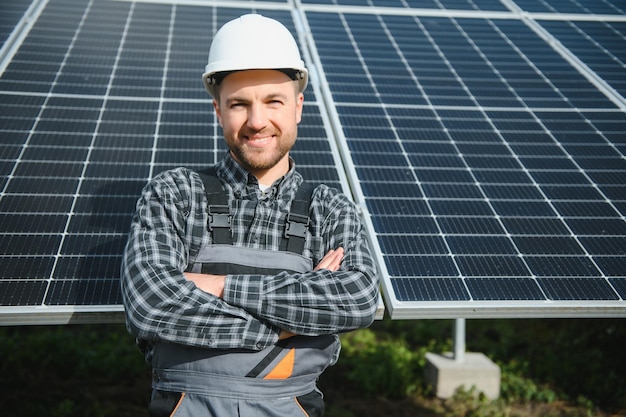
[(493, 169), (100, 97), (599, 45), (488, 159), (573, 6), (486, 5)]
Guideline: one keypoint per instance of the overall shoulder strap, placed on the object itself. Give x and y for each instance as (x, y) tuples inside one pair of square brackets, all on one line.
[(298, 219), (219, 222)]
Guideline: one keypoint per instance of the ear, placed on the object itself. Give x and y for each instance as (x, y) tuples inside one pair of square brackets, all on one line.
[(218, 111), (299, 105)]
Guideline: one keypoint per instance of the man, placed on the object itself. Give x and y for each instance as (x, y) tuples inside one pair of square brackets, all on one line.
[(237, 306)]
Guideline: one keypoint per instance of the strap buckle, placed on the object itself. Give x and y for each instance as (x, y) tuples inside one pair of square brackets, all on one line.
[(296, 225), (219, 216)]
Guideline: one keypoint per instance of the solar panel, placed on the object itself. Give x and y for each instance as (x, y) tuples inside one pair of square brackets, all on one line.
[(491, 163), (484, 141), (100, 97)]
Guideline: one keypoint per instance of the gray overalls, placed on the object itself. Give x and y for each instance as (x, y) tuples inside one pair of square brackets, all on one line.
[(277, 381)]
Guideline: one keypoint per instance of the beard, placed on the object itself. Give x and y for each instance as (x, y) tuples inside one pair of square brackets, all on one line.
[(254, 159), (260, 159)]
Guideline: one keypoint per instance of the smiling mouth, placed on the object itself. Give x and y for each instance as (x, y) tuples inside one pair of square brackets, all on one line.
[(259, 140)]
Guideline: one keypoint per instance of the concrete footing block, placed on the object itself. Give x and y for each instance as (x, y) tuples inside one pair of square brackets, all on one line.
[(446, 375)]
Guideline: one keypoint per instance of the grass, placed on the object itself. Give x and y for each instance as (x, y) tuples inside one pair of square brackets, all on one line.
[(550, 368)]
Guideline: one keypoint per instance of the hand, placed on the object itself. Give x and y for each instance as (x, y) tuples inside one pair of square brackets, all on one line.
[(213, 284), (284, 334), (331, 261)]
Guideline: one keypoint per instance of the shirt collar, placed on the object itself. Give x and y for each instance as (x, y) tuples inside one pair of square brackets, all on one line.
[(238, 178)]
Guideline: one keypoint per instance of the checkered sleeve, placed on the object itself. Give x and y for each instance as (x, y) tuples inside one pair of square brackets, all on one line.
[(317, 302), (160, 303)]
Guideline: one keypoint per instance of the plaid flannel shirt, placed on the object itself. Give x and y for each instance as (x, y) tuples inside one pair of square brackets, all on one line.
[(169, 228)]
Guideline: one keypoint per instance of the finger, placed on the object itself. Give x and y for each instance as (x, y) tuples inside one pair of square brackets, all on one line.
[(335, 260), (332, 260), (326, 261)]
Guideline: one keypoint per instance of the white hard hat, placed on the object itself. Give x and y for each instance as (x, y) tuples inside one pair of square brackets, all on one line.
[(250, 42)]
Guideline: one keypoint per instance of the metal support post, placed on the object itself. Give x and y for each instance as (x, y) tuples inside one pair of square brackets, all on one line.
[(459, 340)]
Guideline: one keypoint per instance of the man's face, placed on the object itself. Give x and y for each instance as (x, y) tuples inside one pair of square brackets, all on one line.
[(259, 111)]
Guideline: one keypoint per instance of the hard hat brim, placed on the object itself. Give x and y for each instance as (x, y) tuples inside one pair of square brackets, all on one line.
[(212, 79)]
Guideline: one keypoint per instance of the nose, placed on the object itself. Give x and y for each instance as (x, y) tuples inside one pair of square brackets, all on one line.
[(257, 117)]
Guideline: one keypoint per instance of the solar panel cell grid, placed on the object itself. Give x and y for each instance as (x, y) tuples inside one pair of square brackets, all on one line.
[(571, 6), (619, 285), (467, 51), (23, 293), (430, 289), (490, 162), (509, 289), (87, 134)]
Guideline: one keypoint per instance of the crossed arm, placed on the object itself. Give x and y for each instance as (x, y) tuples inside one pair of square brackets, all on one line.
[(214, 284), (238, 311)]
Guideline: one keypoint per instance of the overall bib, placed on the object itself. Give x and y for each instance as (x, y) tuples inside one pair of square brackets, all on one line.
[(277, 381)]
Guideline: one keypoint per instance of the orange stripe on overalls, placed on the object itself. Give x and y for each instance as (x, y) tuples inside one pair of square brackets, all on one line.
[(284, 368)]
